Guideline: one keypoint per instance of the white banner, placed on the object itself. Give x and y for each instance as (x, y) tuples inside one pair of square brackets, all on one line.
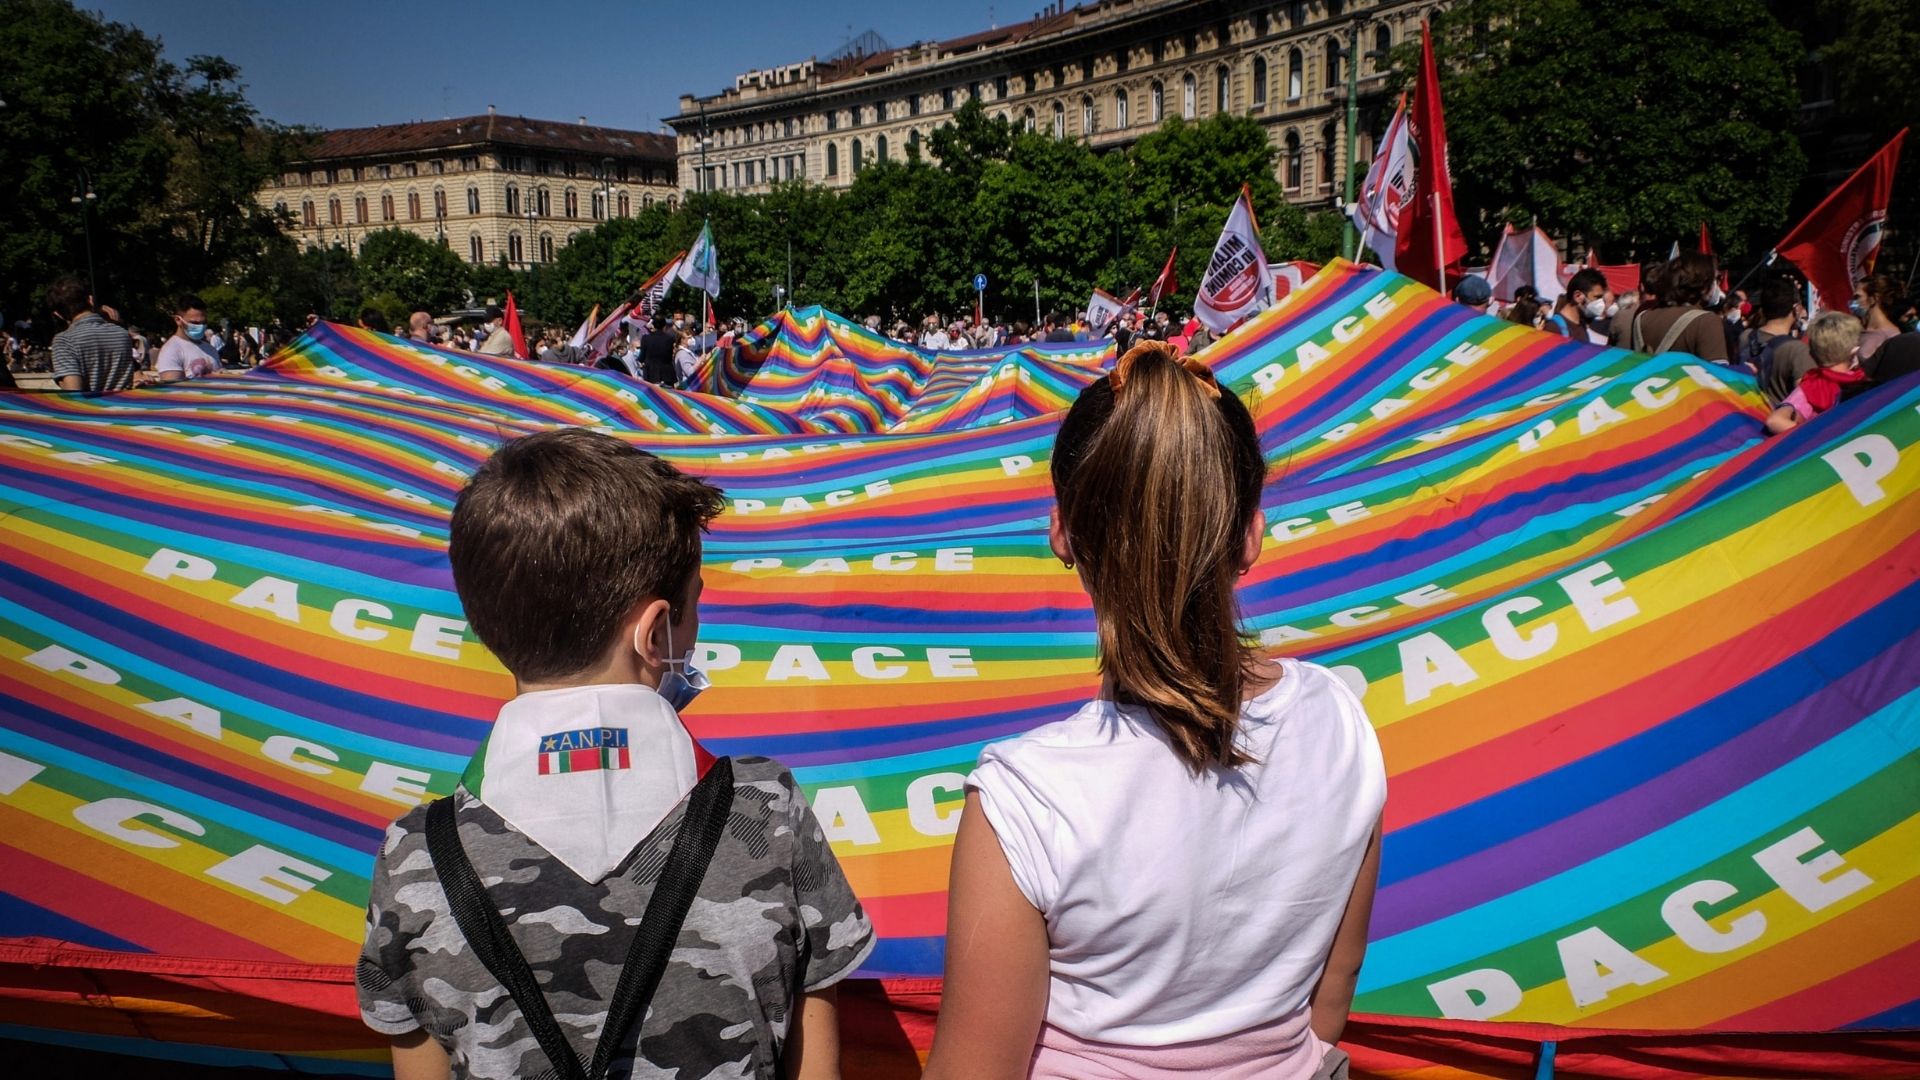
[(701, 267), (1236, 284)]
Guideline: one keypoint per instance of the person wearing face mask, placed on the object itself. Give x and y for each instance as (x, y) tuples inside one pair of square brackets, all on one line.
[(495, 340), (1584, 301), (599, 886), (1875, 299), (1683, 323), (190, 352)]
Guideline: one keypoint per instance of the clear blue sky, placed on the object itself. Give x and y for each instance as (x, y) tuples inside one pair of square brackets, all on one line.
[(350, 63)]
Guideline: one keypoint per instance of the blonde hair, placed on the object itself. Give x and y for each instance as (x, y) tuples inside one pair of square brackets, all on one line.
[(1832, 337), (1157, 470)]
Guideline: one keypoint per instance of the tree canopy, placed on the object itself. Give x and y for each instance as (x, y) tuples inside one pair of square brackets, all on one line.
[(1621, 131)]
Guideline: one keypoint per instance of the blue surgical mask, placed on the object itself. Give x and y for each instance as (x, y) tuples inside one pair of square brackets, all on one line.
[(1859, 310), (681, 682), (196, 331)]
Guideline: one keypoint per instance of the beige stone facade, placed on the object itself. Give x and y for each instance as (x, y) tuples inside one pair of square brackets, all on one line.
[(1107, 72), (471, 182)]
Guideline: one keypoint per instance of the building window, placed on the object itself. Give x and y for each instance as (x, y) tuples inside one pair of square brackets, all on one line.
[(475, 251), (1026, 120), (1086, 70), (1222, 89), (439, 202), (333, 211), (546, 247), (1187, 93), (1382, 44), (1156, 103), (470, 164), (384, 172), (626, 208), (1333, 62), (1297, 13), (1000, 88), (1326, 156), (513, 201), (572, 200), (833, 121), (514, 254), (412, 168), (913, 146), (439, 167), (543, 203), (1086, 115), (913, 103), (1293, 160), (1259, 82), (413, 206), (833, 160), (360, 209), (1296, 74), (307, 216), (1059, 121), (1120, 116), (280, 208), (1335, 8), (473, 201), (879, 148), (854, 157)]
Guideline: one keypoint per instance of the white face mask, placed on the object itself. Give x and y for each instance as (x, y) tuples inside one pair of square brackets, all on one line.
[(681, 682), (1596, 308), (1612, 310)]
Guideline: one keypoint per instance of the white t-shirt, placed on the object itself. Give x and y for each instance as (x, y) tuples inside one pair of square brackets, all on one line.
[(1182, 908), (192, 359)]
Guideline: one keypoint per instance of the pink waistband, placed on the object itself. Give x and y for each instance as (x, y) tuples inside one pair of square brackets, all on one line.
[(1285, 1049)]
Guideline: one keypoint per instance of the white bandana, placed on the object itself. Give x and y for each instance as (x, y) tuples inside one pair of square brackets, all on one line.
[(586, 772)]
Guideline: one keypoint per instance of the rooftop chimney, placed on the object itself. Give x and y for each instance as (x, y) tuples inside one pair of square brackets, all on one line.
[(489, 110), (583, 121)]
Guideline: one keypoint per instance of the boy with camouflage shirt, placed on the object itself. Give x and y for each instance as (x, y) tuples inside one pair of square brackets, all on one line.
[(577, 560)]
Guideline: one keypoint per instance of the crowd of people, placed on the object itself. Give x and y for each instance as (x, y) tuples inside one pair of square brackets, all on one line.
[(1805, 364)]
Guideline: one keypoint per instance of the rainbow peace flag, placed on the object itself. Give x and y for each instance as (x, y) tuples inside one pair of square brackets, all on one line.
[(1648, 684)]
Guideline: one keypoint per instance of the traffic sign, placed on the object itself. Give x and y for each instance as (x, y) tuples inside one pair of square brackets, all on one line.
[(979, 283)]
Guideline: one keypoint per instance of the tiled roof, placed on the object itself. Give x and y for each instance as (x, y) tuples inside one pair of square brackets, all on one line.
[(498, 130)]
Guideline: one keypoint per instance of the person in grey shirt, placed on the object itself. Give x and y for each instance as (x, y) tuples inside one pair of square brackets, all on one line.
[(92, 354)]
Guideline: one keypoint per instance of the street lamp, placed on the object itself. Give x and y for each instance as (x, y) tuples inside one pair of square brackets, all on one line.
[(532, 249), (606, 207), (85, 198), (1351, 53)]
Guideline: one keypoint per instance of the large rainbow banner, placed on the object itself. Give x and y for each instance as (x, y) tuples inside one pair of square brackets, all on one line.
[(1648, 684)]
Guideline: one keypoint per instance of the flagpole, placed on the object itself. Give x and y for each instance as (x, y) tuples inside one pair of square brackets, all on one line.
[(1036, 302), (1439, 248)]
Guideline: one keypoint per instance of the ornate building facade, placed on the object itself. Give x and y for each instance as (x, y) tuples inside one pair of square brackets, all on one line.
[(1107, 72), (490, 187)]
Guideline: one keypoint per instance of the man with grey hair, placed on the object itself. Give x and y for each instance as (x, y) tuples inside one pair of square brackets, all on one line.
[(420, 327)]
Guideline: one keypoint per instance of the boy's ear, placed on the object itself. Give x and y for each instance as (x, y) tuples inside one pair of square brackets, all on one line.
[(643, 632)]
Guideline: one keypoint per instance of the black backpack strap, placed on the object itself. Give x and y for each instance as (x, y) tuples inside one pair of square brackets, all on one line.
[(708, 807), (486, 933)]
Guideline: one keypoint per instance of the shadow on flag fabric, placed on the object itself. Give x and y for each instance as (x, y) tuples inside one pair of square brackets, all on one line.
[(1836, 245), (700, 267), (1429, 242), (1237, 284), (1384, 194)]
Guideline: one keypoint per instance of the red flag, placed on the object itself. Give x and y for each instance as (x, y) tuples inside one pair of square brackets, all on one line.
[(1166, 284), (512, 320), (1706, 241), (1836, 245), (1430, 239)]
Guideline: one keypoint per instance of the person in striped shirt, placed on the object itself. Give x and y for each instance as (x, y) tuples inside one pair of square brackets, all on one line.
[(92, 354)]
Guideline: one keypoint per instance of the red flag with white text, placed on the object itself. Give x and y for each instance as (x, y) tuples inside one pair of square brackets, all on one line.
[(1836, 245)]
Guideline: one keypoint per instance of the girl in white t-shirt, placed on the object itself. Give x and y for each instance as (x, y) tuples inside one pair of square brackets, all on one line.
[(1176, 879)]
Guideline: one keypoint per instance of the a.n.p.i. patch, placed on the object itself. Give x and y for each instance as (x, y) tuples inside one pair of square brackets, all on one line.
[(587, 748)]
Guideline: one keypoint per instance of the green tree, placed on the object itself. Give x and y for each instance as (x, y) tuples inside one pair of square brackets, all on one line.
[(1621, 132), (415, 271)]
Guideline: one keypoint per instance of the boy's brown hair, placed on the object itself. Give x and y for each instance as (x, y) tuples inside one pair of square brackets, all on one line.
[(559, 535)]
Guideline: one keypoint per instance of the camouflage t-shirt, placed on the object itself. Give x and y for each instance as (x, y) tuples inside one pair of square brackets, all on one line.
[(774, 914)]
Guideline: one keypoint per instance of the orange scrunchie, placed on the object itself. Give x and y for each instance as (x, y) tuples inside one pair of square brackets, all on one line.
[(1196, 368)]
